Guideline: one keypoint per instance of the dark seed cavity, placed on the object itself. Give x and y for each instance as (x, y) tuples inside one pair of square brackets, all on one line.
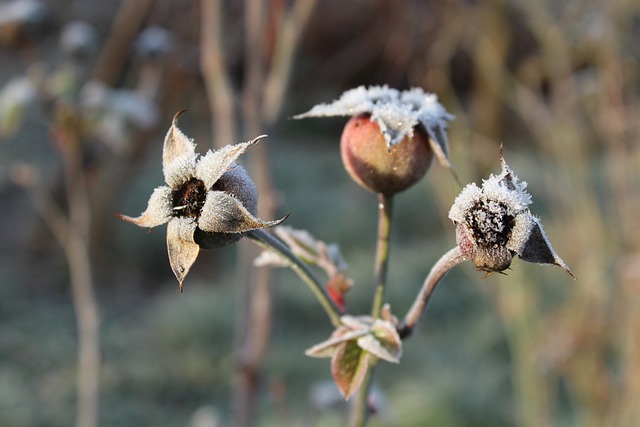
[(490, 223), (189, 199)]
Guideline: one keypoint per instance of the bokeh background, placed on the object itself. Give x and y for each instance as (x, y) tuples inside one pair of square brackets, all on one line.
[(93, 330)]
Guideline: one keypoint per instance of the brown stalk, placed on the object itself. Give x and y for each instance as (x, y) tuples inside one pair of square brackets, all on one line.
[(72, 233)]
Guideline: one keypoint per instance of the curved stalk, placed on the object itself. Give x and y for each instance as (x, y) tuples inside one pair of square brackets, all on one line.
[(271, 242), (440, 269)]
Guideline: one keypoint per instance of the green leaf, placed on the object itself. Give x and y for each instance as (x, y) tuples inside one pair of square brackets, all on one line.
[(349, 366)]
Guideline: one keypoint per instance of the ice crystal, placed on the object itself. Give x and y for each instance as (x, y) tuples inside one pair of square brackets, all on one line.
[(397, 113)]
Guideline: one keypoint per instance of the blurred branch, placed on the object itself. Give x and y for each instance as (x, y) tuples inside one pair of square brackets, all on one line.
[(215, 74), (72, 233), (124, 30), (287, 40)]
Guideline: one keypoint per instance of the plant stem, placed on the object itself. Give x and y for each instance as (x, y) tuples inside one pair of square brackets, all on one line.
[(360, 409), (271, 242), (440, 269), (385, 206)]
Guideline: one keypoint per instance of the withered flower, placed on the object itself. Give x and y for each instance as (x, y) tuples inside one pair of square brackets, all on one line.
[(208, 201), (493, 224)]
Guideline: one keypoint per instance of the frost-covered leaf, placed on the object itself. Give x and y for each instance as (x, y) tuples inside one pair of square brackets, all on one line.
[(271, 259), (372, 345), (340, 336), (301, 243), (349, 366)]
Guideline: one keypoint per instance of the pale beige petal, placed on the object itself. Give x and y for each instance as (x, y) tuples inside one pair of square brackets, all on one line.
[(183, 251), (223, 213), (158, 209), (215, 163), (178, 155)]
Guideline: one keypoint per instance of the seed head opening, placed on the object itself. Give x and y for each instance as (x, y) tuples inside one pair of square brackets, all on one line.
[(189, 199), (490, 222)]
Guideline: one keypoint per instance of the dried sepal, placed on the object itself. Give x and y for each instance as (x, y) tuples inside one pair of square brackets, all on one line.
[(222, 212), (158, 209), (178, 155), (181, 247), (216, 163), (538, 249)]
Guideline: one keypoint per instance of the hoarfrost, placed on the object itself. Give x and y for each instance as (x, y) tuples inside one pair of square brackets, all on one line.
[(396, 112)]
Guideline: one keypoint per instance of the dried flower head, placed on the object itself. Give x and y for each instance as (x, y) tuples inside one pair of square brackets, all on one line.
[(390, 141), (493, 224), (208, 201)]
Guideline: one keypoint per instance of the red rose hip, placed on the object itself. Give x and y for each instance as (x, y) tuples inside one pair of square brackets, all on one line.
[(375, 167)]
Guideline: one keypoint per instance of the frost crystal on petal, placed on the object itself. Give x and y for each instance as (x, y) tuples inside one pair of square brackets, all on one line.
[(397, 113), (182, 250), (178, 155), (223, 213), (215, 163), (158, 209)]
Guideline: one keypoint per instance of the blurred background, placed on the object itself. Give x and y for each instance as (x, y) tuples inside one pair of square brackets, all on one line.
[(93, 329)]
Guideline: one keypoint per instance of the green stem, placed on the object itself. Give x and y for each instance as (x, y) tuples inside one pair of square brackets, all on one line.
[(360, 409), (271, 242), (385, 206)]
